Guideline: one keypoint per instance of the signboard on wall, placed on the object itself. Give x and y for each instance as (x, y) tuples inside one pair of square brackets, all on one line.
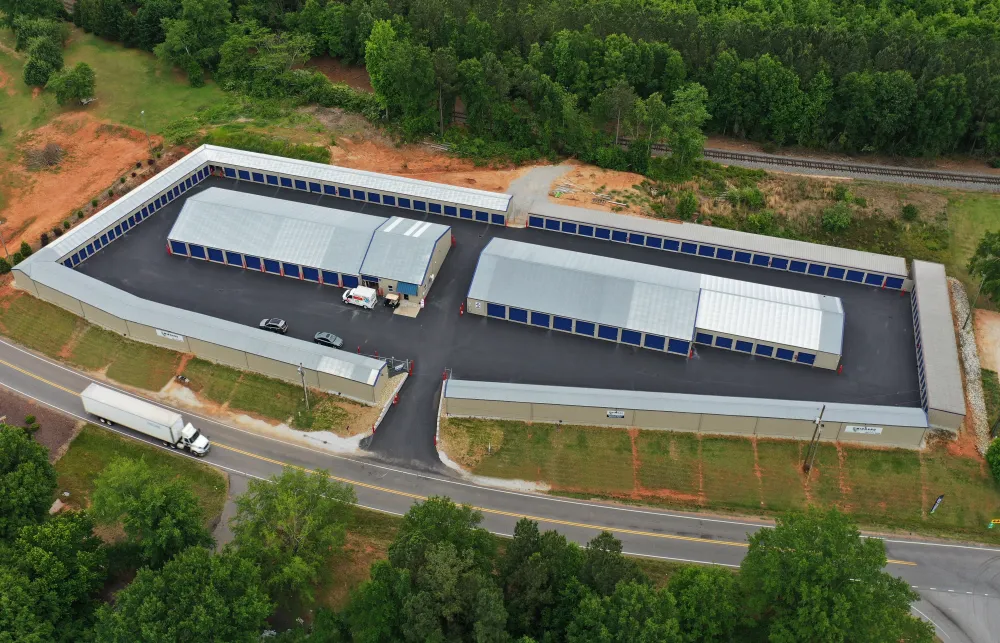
[(615, 413), (166, 334), (864, 430)]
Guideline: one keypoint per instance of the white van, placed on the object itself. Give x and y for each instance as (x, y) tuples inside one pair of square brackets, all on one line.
[(361, 296)]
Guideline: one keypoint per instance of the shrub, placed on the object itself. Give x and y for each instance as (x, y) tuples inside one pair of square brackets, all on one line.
[(111, 193), (44, 239), (66, 225), (687, 206), (121, 180), (995, 162), (910, 212), (252, 142), (993, 458), (36, 72), (57, 231), (133, 175), (25, 249), (842, 193), (750, 197), (761, 222), (4, 266), (837, 218), (16, 258), (861, 202), (93, 203)]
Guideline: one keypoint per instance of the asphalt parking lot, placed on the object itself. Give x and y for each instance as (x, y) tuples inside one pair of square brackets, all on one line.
[(879, 357)]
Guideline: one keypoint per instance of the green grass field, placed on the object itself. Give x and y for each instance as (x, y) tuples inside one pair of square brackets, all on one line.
[(881, 488), (94, 448), (37, 324), (969, 217)]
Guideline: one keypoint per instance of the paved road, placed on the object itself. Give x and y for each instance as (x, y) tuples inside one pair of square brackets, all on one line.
[(960, 585)]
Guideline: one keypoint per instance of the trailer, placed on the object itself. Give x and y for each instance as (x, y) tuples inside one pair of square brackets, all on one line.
[(112, 407)]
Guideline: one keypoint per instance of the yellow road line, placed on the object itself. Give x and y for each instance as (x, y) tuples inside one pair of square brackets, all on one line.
[(496, 512)]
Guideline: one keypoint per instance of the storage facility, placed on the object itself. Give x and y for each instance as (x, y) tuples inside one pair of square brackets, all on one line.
[(653, 307), (309, 242), (878, 425), (243, 347), (842, 264), (937, 354)]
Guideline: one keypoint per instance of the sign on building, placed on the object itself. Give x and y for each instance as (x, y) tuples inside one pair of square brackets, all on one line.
[(166, 334), (615, 413), (864, 430)]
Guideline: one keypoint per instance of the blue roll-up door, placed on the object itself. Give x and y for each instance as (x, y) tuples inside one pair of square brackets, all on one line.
[(244, 175), (584, 328), (706, 251), (349, 281), (466, 213), (496, 310), (689, 248), (744, 347), (404, 203), (724, 253), (797, 266), (112, 234), (68, 263), (344, 192), (672, 245), (482, 216), (234, 259), (272, 179), (741, 257), (389, 200), (498, 219), (585, 230), (766, 351), (315, 187), (893, 282), (517, 314), (724, 342), (301, 185), (619, 236), (435, 208), (762, 260), (374, 197), (607, 332), (97, 244), (406, 289), (703, 338), (540, 319), (805, 358), (291, 270), (874, 280), (568, 227), (779, 264), (331, 278), (310, 274), (420, 205), (637, 239), (76, 259), (178, 248), (359, 195), (817, 269), (855, 276), (253, 263), (329, 190), (678, 346), (552, 224), (784, 353), (838, 273), (451, 211), (562, 323), (602, 233), (654, 242), (257, 177), (230, 172), (198, 252), (654, 341), (215, 255), (286, 182), (631, 337), (272, 266), (533, 222)]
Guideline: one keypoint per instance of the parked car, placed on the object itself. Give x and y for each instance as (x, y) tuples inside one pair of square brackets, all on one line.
[(274, 325), (391, 300), (328, 339), (361, 296)]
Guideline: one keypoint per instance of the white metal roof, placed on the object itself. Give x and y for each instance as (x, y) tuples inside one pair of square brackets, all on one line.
[(209, 329), (936, 336), (401, 249), (307, 235), (772, 246), (359, 178), (652, 299), (684, 403), (118, 399)]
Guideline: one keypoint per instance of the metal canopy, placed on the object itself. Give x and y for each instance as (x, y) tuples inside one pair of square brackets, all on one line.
[(401, 249)]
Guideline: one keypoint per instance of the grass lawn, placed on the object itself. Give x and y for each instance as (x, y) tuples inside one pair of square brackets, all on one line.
[(265, 397), (144, 366), (96, 349), (37, 324), (881, 488), (212, 381), (94, 448), (991, 393), (969, 217)]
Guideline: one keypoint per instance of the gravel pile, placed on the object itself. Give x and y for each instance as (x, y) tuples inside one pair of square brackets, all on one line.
[(970, 365)]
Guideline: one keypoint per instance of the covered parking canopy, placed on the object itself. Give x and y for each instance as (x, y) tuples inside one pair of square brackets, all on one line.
[(651, 306)]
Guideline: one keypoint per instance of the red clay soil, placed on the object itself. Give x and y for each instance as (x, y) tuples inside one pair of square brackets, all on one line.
[(56, 430), (355, 76), (94, 160)]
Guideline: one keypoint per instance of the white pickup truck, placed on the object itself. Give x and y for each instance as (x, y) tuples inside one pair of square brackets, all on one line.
[(112, 407), (361, 296)]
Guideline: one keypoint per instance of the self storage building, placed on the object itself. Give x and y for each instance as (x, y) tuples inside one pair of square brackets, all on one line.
[(309, 242), (653, 307), (842, 264)]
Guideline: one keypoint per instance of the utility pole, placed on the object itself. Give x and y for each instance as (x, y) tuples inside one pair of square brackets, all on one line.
[(814, 443), (305, 391), (149, 144)]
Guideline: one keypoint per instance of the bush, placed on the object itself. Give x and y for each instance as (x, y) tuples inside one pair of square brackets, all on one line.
[(993, 458), (861, 202), (16, 258), (4, 266), (750, 197), (910, 212), (93, 203), (611, 157), (43, 240), (36, 72), (121, 180), (57, 231), (760, 222), (66, 225), (687, 206), (25, 249), (251, 142), (837, 218), (842, 193), (73, 85), (995, 162)]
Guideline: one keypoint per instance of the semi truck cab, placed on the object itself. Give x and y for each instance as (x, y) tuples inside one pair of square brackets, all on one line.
[(194, 441)]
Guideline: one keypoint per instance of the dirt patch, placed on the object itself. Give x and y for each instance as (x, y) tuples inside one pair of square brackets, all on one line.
[(420, 162), (355, 76), (585, 180), (987, 327), (842, 482), (5, 83), (56, 430), (95, 158)]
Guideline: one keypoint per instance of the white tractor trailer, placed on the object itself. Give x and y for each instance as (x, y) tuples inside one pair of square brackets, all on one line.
[(112, 407)]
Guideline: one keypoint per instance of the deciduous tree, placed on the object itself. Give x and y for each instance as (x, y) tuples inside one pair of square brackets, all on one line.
[(27, 481)]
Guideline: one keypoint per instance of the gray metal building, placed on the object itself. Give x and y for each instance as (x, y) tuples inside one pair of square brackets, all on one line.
[(653, 307), (938, 369), (309, 242)]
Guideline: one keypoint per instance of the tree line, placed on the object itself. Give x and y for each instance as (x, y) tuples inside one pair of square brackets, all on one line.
[(552, 77), (446, 578)]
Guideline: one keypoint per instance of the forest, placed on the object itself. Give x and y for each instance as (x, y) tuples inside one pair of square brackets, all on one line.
[(898, 77)]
